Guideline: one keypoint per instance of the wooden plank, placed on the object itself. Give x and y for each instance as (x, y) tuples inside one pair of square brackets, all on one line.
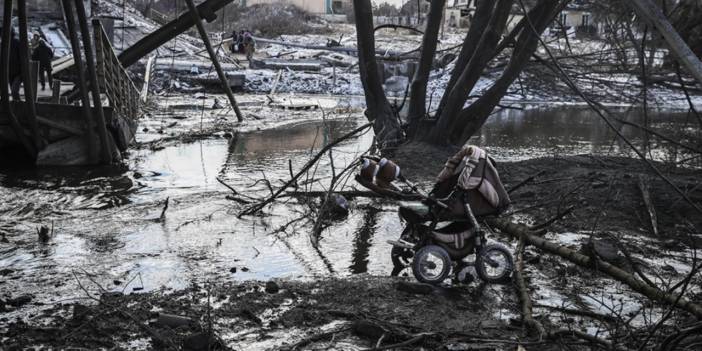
[(58, 112), (147, 78), (123, 95), (275, 83), (62, 127)]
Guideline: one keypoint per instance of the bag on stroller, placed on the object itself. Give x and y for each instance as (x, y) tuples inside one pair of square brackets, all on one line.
[(471, 176)]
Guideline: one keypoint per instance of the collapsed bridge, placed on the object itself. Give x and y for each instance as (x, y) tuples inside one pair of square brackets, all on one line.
[(97, 120)]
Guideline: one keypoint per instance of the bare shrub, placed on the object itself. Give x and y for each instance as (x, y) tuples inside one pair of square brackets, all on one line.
[(271, 20)]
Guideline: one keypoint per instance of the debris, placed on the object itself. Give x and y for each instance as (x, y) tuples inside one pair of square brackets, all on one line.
[(80, 312), (368, 329), (602, 249), (109, 295), (173, 321), (337, 206), (202, 342), (272, 287), (162, 217), (248, 314), (290, 64), (44, 234), (19, 301)]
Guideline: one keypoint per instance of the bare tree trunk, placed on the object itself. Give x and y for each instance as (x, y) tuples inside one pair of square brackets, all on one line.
[(378, 110), (652, 13), (418, 88), (477, 27), (470, 75), (474, 116)]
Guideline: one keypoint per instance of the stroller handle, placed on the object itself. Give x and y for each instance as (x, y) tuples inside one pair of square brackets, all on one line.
[(425, 197)]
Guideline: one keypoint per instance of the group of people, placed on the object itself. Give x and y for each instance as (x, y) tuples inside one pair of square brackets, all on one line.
[(41, 51), (243, 41)]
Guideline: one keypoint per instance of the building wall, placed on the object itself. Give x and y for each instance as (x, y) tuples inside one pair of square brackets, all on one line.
[(574, 18), (457, 13)]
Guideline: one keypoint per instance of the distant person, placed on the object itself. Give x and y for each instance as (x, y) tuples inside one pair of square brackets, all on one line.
[(15, 67), (44, 54), (236, 41), (249, 46)]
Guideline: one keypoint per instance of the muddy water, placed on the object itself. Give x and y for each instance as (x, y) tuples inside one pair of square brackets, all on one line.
[(106, 221), (540, 130)]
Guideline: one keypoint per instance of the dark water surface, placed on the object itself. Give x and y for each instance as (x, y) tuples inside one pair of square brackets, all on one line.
[(105, 220)]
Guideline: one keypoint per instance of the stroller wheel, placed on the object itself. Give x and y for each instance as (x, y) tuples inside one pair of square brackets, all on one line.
[(431, 264), (494, 264)]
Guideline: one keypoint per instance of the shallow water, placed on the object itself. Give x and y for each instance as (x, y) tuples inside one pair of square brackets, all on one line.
[(105, 221)]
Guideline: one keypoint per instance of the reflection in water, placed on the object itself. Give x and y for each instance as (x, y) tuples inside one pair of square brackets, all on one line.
[(304, 136), (541, 131), (362, 241)]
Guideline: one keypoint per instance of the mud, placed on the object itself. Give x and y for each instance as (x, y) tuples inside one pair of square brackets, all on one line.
[(361, 309)]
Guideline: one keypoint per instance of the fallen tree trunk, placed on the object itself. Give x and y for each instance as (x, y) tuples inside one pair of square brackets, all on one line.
[(524, 298), (521, 231)]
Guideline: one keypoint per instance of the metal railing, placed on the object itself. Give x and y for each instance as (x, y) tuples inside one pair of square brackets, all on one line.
[(113, 78)]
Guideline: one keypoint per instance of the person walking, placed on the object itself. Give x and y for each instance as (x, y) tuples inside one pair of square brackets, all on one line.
[(249, 46), (44, 54)]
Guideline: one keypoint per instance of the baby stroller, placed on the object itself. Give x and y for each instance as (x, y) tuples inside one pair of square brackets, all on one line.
[(443, 229)]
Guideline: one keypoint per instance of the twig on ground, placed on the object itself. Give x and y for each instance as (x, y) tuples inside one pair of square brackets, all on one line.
[(553, 219), (524, 182)]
